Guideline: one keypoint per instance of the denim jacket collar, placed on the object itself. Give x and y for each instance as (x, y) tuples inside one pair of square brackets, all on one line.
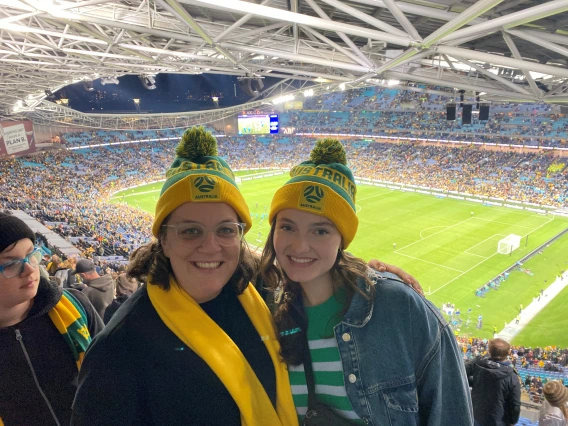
[(361, 308)]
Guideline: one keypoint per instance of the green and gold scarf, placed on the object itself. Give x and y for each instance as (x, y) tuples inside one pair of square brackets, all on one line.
[(70, 319)]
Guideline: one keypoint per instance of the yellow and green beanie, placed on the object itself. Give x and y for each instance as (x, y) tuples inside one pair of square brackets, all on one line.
[(198, 175), (325, 186)]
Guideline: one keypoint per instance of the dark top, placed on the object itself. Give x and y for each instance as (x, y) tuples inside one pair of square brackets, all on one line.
[(138, 372), (21, 403), (496, 392)]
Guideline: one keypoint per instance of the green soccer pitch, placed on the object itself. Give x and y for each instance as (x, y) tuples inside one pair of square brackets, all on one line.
[(449, 245)]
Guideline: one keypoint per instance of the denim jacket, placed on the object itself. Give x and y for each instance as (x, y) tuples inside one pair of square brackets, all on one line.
[(401, 362)]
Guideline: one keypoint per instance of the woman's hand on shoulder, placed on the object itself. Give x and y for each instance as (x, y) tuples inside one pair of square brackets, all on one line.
[(403, 275)]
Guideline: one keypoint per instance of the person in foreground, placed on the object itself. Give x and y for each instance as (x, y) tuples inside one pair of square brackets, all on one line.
[(554, 410), (496, 387), (44, 332), (195, 345), (377, 352)]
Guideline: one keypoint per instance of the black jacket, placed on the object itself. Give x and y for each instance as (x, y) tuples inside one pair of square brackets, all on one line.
[(100, 292), (496, 393), (21, 402), (138, 372), (113, 307)]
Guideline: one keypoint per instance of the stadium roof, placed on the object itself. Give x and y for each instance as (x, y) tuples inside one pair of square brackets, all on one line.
[(509, 50)]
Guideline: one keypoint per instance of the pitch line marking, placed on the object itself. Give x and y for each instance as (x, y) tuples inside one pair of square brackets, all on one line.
[(475, 266), (135, 194), (435, 233), (431, 227), (427, 261), (467, 250), (504, 223), (376, 195)]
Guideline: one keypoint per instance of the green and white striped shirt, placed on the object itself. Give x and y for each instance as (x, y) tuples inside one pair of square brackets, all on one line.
[(326, 363)]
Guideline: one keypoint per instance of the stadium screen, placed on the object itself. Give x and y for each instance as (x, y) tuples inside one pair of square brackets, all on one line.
[(258, 124)]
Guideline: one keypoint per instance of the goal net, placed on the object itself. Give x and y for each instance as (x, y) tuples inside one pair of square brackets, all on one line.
[(509, 243)]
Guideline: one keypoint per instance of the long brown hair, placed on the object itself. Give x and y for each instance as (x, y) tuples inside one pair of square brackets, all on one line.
[(290, 320), (149, 264)]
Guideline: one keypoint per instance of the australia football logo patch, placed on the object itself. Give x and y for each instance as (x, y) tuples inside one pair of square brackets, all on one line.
[(313, 194), (204, 188), (312, 198)]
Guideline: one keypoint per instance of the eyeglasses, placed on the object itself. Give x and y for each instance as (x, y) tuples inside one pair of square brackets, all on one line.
[(16, 267), (226, 233)]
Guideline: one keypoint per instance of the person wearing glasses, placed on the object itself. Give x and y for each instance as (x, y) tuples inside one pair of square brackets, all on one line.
[(44, 332), (195, 345)]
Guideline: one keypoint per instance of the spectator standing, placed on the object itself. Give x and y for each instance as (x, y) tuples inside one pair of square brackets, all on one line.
[(99, 289), (125, 287), (496, 389), (44, 332), (554, 410)]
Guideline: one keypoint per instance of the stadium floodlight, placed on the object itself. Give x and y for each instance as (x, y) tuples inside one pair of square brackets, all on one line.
[(308, 93), (283, 98), (342, 86), (393, 82), (148, 81), (109, 80), (508, 244)]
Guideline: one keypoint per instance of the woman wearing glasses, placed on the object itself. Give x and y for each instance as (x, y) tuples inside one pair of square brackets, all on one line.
[(44, 332), (196, 344)]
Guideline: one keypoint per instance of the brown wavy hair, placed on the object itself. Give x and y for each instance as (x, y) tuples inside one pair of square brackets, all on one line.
[(149, 264), (290, 320)]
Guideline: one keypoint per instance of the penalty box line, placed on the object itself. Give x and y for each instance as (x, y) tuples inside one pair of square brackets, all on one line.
[(485, 260)]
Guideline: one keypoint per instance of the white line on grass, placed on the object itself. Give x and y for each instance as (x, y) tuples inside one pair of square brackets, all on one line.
[(504, 223), (467, 250), (136, 194), (376, 195), (427, 261), (475, 266), (431, 227), (435, 233)]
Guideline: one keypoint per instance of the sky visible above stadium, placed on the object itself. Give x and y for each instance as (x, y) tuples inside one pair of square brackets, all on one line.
[(173, 93)]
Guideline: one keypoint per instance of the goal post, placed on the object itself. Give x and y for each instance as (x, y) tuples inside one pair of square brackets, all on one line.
[(508, 244), (238, 180)]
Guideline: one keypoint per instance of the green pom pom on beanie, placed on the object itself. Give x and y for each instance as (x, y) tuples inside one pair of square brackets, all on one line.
[(328, 151), (195, 143)]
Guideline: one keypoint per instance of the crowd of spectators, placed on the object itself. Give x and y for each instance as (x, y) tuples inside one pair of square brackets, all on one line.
[(535, 366), (503, 128), (544, 358), (69, 190)]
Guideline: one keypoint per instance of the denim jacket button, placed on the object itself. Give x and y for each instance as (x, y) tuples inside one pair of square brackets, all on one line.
[(346, 337), (352, 378)]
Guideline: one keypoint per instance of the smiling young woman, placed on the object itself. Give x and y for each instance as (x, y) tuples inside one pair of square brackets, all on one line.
[(195, 345), (361, 348)]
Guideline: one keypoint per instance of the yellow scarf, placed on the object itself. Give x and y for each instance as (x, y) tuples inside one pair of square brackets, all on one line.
[(70, 319), (185, 318)]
